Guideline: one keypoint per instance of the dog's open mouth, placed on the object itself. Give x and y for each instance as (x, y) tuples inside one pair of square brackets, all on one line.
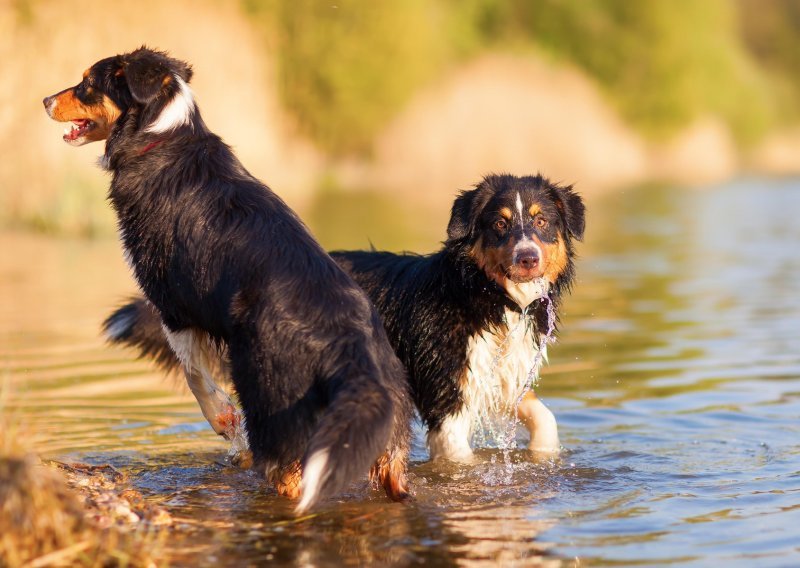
[(80, 128), (516, 275)]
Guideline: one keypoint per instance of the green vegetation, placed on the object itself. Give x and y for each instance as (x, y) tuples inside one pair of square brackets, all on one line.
[(771, 32), (345, 69), (662, 63)]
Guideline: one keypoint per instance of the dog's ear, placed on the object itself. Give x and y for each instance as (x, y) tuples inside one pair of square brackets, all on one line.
[(459, 226), (148, 72), (570, 206), (466, 209)]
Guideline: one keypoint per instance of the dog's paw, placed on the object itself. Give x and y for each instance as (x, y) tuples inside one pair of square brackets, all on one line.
[(227, 422), (544, 438), (287, 480), (241, 458), (239, 453)]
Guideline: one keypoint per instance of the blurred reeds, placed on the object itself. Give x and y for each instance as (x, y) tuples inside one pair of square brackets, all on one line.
[(310, 91), (662, 63)]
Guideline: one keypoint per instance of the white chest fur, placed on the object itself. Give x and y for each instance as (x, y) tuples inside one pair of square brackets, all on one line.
[(525, 293), (502, 363)]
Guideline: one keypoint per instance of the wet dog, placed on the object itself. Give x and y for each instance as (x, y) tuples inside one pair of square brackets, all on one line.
[(470, 322), (223, 261)]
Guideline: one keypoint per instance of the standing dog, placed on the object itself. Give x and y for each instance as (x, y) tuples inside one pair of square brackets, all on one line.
[(225, 262), (469, 322)]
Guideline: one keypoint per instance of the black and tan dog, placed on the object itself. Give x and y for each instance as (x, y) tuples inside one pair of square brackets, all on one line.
[(224, 261), (469, 321)]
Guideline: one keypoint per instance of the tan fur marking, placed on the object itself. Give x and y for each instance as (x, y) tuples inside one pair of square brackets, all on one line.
[(535, 210), (243, 459), (68, 107), (555, 259), (287, 480), (112, 111), (464, 380), (103, 114), (489, 261), (540, 423), (389, 472), (523, 409), (506, 213)]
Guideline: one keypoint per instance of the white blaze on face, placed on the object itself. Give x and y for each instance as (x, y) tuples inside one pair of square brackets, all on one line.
[(177, 112), (524, 293), (525, 241)]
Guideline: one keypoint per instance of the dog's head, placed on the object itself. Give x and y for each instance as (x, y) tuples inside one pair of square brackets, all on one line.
[(519, 231), (149, 80)]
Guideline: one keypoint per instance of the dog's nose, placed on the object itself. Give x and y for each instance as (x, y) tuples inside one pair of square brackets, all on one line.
[(47, 102), (528, 261), (527, 258)]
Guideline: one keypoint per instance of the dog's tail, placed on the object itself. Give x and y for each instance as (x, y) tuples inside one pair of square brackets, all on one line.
[(354, 430), (137, 324)]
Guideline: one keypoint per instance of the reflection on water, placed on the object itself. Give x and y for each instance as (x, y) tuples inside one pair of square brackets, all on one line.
[(676, 384)]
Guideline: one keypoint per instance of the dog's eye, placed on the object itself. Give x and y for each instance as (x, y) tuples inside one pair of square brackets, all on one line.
[(540, 222), (500, 225)]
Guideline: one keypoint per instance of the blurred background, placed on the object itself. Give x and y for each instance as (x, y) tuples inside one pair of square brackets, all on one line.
[(418, 99)]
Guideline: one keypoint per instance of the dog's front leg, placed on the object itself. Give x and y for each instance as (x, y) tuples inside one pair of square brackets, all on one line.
[(194, 349), (451, 440), (541, 424), (221, 413)]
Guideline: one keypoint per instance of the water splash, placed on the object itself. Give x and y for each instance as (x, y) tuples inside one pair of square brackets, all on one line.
[(497, 420), (239, 445), (541, 356)]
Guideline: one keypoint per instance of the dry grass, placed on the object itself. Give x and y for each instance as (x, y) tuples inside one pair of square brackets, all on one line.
[(44, 521)]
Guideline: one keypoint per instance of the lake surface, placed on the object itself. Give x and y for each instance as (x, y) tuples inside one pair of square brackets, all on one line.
[(675, 382)]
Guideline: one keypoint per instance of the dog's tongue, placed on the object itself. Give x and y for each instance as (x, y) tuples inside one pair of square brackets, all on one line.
[(526, 292), (75, 131)]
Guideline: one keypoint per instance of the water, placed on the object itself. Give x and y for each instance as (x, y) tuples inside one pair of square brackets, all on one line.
[(493, 428), (675, 382)]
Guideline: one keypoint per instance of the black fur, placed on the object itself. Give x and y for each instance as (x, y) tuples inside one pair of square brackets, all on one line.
[(214, 249), (138, 324), (431, 305)]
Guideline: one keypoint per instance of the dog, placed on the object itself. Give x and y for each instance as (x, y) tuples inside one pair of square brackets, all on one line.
[(224, 261), (470, 322)]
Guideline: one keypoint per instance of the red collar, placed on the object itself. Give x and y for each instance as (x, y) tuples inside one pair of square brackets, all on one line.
[(149, 147)]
